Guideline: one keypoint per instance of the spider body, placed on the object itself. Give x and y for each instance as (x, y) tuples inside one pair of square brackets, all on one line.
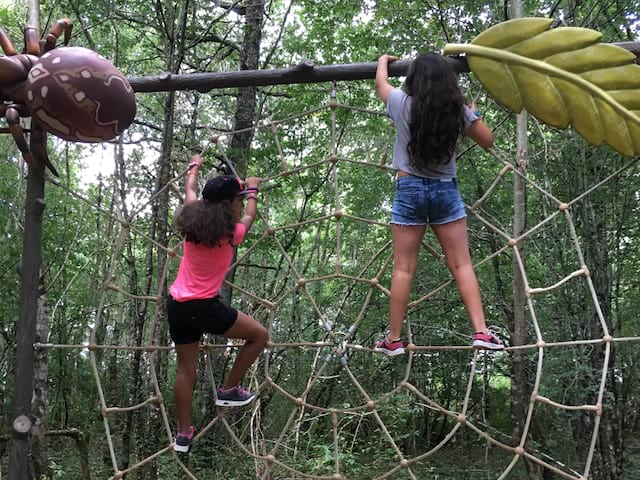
[(77, 95), (71, 92)]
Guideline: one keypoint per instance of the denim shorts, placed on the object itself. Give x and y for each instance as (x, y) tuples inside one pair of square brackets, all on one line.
[(190, 319), (426, 201)]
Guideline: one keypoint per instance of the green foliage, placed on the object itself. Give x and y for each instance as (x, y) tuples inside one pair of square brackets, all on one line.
[(79, 239)]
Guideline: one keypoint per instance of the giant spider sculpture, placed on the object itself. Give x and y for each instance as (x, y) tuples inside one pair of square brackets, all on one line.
[(71, 92)]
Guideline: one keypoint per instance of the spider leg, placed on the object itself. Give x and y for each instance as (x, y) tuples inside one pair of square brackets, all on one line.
[(13, 120), (31, 41), (38, 144), (63, 25), (6, 45)]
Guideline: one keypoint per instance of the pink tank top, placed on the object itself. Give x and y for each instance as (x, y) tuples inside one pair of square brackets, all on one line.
[(202, 269)]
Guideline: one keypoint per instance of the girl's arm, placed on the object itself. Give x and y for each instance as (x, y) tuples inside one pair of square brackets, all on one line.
[(383, 87), (190, 182), (479, 132), (251, 208)]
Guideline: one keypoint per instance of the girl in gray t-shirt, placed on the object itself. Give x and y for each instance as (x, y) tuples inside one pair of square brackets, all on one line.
[(430, 117)]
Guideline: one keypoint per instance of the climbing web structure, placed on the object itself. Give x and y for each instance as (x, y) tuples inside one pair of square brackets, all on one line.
[(304, 271)]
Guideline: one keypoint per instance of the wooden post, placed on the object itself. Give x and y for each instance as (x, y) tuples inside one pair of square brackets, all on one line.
[(26, 329), (520, 388), (29, 294)]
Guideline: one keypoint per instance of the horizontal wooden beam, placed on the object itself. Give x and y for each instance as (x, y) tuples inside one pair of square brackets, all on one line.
[(306, 72)]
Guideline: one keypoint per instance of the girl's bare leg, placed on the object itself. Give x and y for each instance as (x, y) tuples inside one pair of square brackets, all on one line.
[(256, 336), (185, 379), (406, 246), (454, 239)]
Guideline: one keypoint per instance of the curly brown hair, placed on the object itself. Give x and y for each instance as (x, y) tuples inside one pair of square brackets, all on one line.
[(208, 223), (437, 119)]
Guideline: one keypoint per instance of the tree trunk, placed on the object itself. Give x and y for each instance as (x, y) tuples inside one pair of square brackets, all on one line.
[(136, 313), (82, 444), (22, 421), (38, 404), (519, 386), (246, 100), (173, 22), (520, 390), (245, 115), (244, 118), (608, 458)]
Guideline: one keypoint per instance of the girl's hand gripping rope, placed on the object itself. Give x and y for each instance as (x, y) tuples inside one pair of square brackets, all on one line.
[(196, 163)]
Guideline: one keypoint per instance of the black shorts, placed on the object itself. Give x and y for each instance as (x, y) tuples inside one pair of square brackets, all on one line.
[(189, 320)]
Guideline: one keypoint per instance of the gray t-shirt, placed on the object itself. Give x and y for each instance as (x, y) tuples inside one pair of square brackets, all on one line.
[(398, 109)]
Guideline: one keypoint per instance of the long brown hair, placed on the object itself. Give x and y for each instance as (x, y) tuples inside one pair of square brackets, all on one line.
[(436, 120), (208, 223)]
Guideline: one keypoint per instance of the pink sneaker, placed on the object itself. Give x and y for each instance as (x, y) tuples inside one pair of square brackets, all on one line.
[(234, 397), (389, 348), (183, 442), (488, 340)]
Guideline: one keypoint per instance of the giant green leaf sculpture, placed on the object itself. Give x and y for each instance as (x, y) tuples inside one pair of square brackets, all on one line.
[(562, 76)]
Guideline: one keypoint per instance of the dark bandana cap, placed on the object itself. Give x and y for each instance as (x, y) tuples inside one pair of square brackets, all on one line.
[(224, 187)]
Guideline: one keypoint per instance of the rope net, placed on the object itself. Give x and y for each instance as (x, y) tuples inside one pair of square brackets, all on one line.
[(307, 272)]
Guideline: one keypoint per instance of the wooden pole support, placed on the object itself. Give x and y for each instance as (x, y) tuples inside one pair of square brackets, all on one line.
[(305, 72)]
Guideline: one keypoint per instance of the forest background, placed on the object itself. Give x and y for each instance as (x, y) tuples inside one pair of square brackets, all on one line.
[(146, 38)]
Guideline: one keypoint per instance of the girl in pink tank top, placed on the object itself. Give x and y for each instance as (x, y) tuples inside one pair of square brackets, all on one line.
[(211, 227)]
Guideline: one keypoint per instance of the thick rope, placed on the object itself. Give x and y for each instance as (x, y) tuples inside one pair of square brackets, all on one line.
[(341, 344)]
